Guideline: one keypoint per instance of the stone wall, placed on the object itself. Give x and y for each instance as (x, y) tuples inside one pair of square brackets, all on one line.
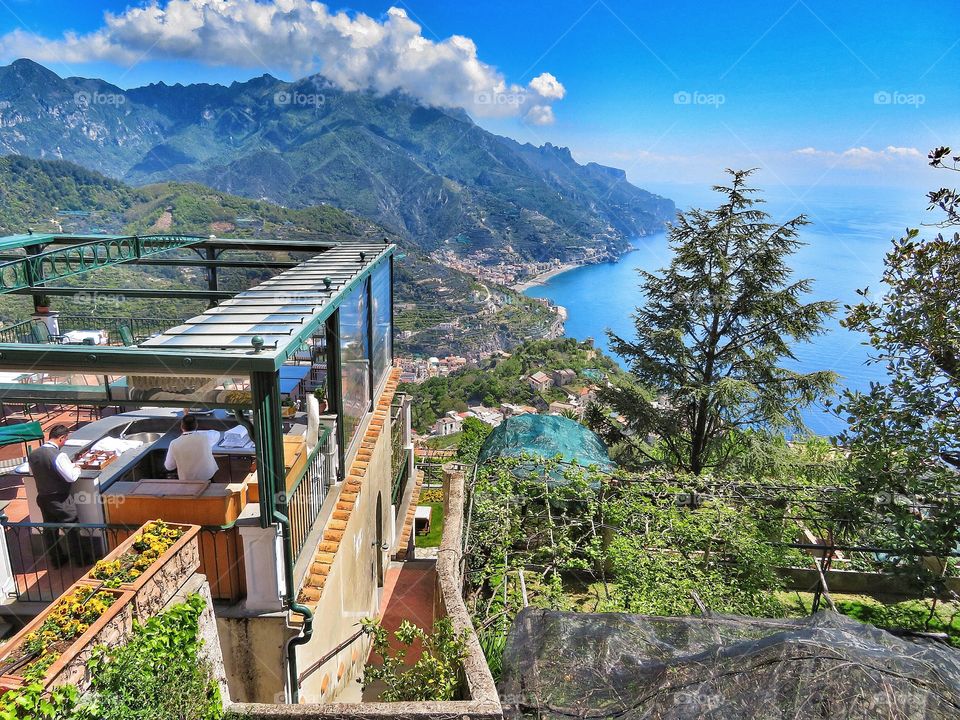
[(482, 703)]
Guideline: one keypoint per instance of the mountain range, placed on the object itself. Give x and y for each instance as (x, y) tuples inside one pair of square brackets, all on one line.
[(430, 175), (439, 309)]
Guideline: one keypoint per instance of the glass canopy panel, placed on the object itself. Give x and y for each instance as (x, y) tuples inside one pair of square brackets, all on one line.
[(30, 388), (382, 297), (355, 360)]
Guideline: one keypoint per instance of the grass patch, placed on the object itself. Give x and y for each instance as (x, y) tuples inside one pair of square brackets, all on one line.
[(432, 538), (444, 442), (905, 615)]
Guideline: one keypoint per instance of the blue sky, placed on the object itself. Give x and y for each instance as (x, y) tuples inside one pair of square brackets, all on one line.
[(826, 93)]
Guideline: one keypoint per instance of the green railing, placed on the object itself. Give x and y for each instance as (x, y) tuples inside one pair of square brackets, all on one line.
[(309, 489), (64, 262), (400, 450), (21, 332)]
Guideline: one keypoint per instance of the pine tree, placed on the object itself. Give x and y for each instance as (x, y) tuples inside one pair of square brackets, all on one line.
[(712, 334)]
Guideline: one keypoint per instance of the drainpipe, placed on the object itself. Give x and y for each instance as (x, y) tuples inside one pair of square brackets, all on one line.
[(269, 439), (304, 637)]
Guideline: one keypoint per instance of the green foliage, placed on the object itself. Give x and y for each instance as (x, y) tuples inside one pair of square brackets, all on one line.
[(436, 673), (33, 703), (472, 435), (526, 520), (499, 379), (712, 333), (904, 435), (665, 552), (913, 615), (158, 675)]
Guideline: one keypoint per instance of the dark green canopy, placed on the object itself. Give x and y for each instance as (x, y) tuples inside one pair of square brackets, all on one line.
[(22, 432)]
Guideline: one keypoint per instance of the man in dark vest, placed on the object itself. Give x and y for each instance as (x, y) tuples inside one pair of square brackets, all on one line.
[(54, 475)]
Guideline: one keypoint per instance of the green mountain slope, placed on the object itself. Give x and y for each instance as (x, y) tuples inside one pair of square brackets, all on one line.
[(57, 196), (430, 175)]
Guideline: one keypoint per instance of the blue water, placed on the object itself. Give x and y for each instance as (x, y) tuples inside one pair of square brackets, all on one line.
[(851, 230)]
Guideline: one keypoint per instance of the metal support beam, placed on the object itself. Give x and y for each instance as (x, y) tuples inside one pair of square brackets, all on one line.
[(268, 438), (335, 385), (213, 282), (195, 262), (93, 253), (313, 246), (128, 292)]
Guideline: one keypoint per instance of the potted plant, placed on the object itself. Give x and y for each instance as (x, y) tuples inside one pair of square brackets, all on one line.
[(320, 393), (54, 648), (152, 563)]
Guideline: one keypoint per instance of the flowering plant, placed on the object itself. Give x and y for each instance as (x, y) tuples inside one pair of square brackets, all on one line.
[(70, 618), (153, 541)]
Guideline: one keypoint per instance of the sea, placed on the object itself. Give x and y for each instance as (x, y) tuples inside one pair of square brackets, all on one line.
[(851, 230)]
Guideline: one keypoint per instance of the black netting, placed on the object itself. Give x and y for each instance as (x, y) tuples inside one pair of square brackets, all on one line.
[(578, 665)]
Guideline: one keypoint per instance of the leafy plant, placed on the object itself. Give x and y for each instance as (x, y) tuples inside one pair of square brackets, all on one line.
[(666, 552), (160, 674), (436, 673), (34, 703), (904, 435), (471, 439), (68, 620)]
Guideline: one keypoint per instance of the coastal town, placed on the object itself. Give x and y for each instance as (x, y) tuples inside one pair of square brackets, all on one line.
[(501, 267), (376, 362)]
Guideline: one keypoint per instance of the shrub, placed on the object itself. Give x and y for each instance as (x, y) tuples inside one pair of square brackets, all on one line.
[(435, 676), (160, 674)]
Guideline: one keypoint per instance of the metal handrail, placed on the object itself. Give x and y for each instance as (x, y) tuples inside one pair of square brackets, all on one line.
[(303, 501), (321, 441), (329, 656)]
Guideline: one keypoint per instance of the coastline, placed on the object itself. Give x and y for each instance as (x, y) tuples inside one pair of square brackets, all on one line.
[(542, 278)]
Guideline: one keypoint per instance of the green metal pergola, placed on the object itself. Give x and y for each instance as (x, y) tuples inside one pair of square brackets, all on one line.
[(250, 334)]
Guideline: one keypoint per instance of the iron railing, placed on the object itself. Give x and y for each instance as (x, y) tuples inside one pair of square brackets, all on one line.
[(400, 447), (21, 332), (64, 262), (36, 578), (309, 489), (399, 485)]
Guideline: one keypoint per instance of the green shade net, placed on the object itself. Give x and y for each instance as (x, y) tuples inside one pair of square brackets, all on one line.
[(545, 436), (23, 432)]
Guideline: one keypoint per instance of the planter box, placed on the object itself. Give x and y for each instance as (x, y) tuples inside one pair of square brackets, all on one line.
[(111, 628), (161, 581)]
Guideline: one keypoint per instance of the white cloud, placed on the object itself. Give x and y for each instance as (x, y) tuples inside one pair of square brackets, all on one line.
[(861, 156), (540, 115), (547, 86), (353, 50)]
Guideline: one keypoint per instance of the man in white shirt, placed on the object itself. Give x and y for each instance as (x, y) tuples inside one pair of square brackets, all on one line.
[(54, 475), (190, 454)]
